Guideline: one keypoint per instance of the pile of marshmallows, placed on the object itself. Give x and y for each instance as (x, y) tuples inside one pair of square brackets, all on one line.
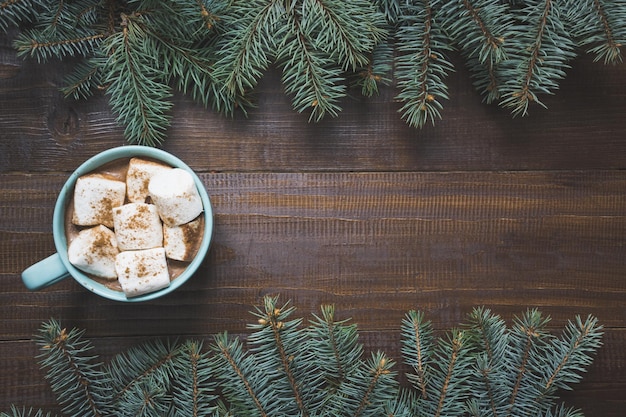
[(128, 239)]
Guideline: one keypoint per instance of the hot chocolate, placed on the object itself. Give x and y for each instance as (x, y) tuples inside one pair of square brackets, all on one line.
[(112, 174)]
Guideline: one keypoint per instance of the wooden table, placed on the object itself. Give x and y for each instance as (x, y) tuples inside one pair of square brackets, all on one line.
[(360, 211)]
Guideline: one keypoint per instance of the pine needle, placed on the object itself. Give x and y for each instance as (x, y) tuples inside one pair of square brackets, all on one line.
[(482, 368), (216, 51)]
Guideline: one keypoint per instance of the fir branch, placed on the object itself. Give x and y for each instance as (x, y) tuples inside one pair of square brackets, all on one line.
[(183, 62), (354, 387), (63, 29), (243, 384), (422, 64), (345, 31), (23, 412), (84, 80), (367, 390), (281, 349), (378, 70), (144, 374), (488, 333), (488, 338), (63, 15), (403, 405), (379, 389), (288, 370), (417, 348), (137, 92), (15, 12), (146, 398), (600, 26), (41, 47), (309, 75), (528, 339), (194, 387), (448, 379), (540, 54), (335, 346), (245, 50), (570, 354), (481, 29), (77, 381), (312, 41)]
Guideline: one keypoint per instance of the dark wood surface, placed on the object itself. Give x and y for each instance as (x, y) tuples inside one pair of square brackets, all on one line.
[(360, 211)]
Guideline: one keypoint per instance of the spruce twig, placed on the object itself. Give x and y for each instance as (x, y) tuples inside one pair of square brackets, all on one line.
[(600, 26), (448, 386), (194, 391), (14, 13), (23, 412), (483, 368), (488, 336), (141, 378), (131, 73), (309, 75), (245, 51), (81, 387), (482, 30), (63, 29), (84, 80), (540, 55), (569, 355), (244, 385), (217, 51), (335, 346), (372, 390), (422, 65), (417, 348), (528, 339), (282, 352)]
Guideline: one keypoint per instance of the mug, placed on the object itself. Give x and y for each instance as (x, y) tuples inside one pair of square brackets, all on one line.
[(57, 267)]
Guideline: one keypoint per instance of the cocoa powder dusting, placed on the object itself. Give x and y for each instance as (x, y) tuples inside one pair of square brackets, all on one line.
[(106, 211), (118, 170), (190, 234), (102, 245)]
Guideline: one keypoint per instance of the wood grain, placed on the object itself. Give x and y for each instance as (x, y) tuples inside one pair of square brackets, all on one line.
[(359, 211), (582, 129), (373, 244)]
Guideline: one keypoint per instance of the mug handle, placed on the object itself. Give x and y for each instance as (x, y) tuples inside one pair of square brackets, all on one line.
[(44, 273)]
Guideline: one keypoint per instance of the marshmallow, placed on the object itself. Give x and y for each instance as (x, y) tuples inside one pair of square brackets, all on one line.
[(137, 226), (175, 194), (93, 251), (142, 271), (181, 242), (95, 196), (138, 177)]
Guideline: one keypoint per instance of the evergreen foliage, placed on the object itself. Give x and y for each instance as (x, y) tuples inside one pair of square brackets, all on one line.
[(23, 412), (481, 29), (422, 64), (539, 58), (140, 52), (80, 384), (441, 367), (287, 368), (598, 26)]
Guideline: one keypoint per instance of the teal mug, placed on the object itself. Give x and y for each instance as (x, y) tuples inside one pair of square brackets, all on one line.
[(57, 267)]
